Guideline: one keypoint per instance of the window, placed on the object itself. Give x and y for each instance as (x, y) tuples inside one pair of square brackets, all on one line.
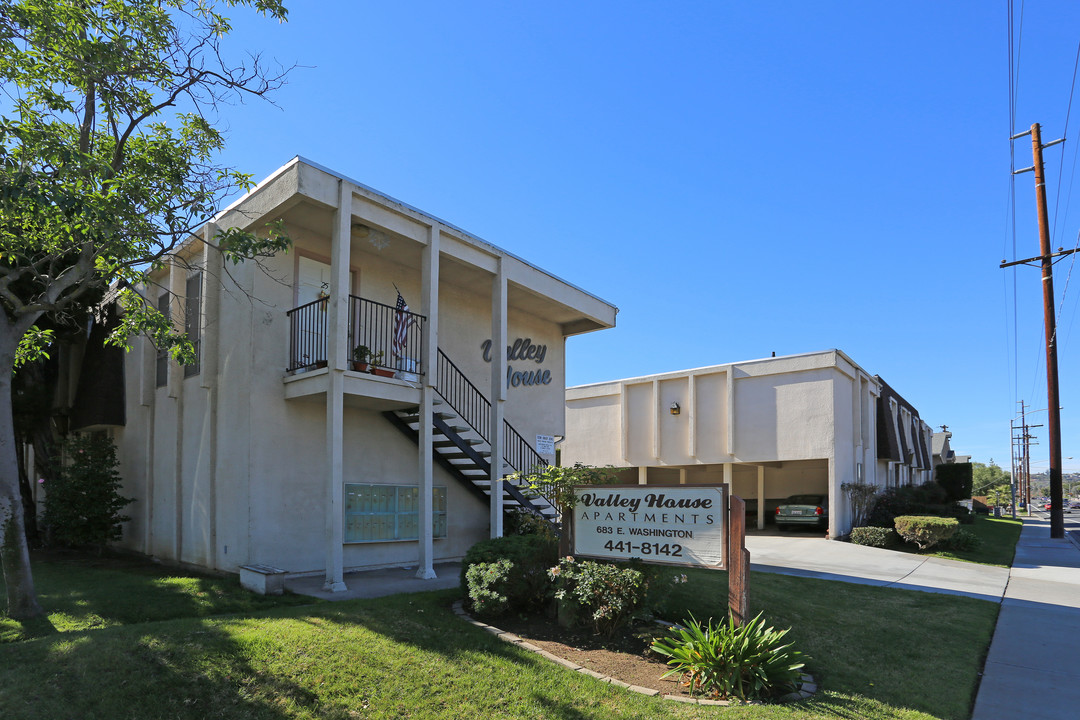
[(384, 513), (163, 354), (193, 321)]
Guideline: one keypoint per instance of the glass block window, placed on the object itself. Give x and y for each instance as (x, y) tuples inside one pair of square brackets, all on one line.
[(193, 320), (385, 513), (162, 360)]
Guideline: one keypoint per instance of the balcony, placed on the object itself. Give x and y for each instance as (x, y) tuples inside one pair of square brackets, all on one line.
[(382, 340)]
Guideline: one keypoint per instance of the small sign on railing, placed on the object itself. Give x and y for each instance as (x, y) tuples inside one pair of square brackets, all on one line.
[(545, 444)]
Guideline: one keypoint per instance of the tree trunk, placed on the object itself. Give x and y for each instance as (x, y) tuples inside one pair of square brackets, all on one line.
[(22, 601), (26, 490)]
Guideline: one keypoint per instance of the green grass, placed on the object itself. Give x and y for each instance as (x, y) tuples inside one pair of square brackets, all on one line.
[(879, 653), (82, 592), (998, 536)]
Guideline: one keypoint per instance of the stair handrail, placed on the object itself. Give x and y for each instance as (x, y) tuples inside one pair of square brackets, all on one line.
[(475, 409)]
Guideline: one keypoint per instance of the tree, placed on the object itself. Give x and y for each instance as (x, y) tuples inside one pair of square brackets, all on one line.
[(107, 164), (987, 477), (83, 504)]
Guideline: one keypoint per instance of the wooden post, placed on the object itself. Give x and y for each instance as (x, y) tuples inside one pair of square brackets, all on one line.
[(738, 564), (566, 545)]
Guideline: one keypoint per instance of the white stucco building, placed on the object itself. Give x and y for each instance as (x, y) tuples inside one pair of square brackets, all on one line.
[(769, 428), (275, 449)]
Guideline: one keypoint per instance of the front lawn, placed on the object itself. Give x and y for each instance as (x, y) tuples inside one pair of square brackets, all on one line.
[(83, 592), (878, 653), (999, 537)]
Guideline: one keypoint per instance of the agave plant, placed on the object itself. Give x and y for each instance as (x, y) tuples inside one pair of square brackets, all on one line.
[(747, 662)]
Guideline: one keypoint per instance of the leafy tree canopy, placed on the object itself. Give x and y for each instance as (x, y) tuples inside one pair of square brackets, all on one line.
[(988, 477), (107, 163)]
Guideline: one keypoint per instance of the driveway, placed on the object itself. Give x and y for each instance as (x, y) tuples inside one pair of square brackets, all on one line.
[(790, 554)]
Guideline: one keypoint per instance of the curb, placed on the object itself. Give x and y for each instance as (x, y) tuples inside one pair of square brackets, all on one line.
[(807, 686)]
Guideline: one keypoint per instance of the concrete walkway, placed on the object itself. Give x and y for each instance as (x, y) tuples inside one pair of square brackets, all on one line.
[(377, 583), (813, 556), (1033, 667)]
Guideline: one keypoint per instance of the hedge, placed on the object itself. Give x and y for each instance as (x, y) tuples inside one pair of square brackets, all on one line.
[(925, 531), (874, 537)]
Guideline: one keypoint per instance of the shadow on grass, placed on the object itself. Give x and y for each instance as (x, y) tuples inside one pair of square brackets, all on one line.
[(27, 629), (183, 669), (82, 592)]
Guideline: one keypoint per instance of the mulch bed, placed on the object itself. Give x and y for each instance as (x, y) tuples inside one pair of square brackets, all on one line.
[(624, 656)]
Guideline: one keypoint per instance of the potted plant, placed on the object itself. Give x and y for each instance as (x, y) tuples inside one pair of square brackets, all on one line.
[(362, 357), (376, 360)]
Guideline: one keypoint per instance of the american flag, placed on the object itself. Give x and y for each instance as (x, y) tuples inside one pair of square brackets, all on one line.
[(402, 320)]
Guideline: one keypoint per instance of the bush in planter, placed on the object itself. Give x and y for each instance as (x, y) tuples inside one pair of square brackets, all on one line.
[(598, 593), (961, 541), (528, 586), (749, 662), (925, 531), (488, 587), (878, 537)]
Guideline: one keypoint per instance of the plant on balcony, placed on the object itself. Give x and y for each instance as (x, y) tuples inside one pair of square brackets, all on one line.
[(364, 357), (361, 356)]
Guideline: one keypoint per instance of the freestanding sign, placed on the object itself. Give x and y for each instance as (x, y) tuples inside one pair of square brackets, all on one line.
[(669, 525), (664, 524)]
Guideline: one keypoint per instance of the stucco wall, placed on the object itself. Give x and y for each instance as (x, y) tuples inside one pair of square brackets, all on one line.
[(227, 471)]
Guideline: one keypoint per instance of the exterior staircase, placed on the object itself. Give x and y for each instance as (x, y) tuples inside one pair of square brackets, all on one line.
[(462, 448)]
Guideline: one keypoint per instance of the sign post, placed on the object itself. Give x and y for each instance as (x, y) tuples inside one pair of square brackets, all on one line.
[(688, 525), (738, 562)]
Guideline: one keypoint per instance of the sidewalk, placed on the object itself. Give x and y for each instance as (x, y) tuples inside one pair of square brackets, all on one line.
[(1033, 667)]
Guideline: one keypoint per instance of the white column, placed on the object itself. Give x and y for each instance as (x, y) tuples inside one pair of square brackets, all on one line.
[(336, 325), (177, 290), (682, 476), (209, 326), (642, 475), (498, 395), (760, 497), (429, 307), (728, 472)]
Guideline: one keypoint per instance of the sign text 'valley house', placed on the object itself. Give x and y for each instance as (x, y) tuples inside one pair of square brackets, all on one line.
[(522, 350)]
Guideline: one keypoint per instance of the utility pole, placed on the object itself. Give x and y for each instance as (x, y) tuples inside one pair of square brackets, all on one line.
[(1015, 478), (1045, 258)]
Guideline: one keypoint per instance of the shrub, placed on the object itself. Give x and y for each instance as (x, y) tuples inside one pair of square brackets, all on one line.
[(488, 585), (926, 499), (961, 541), (862, 497), (83, 502), (518, 521), (748, 662), (956, 479), (874, 537), (925, 531), (531, 555), (605, 594), (660, 584)]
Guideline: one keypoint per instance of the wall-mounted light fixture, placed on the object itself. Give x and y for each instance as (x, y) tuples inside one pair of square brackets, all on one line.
[(675, 409)]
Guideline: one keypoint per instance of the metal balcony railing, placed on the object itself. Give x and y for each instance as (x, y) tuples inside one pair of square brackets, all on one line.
[(379, 336)]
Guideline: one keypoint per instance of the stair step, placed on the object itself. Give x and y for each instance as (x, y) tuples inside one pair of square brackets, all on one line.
[(459, 455), (467, 441)]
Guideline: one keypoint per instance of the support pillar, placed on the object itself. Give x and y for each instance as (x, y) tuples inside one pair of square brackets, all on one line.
[(336, 329), (498, 395), (760, 497), (429, 304)]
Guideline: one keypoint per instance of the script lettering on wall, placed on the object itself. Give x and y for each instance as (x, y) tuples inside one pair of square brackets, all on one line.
[(522, 350)]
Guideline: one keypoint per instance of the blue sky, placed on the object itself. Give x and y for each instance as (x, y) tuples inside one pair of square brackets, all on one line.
[(738, 178)]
